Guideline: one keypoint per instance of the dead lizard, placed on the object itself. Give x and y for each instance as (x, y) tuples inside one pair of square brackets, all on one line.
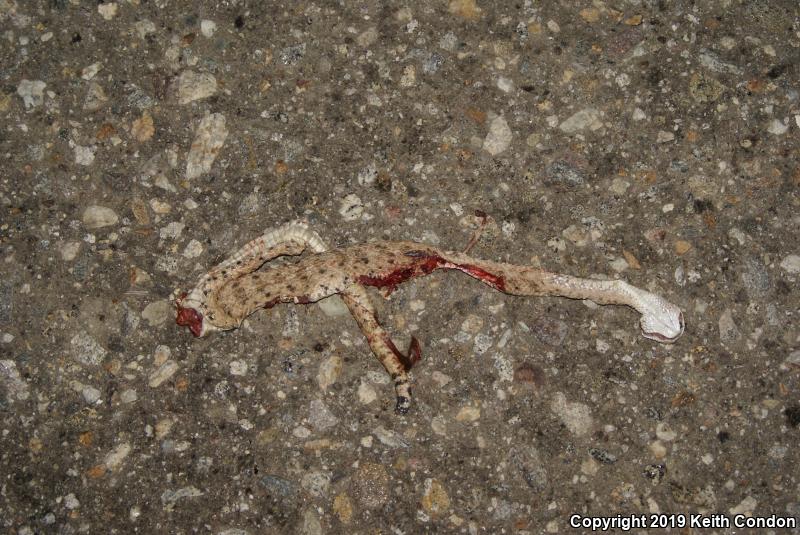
[(237, 287)]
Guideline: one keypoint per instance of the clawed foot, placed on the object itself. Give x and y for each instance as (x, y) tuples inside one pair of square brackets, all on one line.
[(402, 406)]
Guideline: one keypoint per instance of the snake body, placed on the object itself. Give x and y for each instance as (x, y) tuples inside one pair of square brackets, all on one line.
[(238, 287)]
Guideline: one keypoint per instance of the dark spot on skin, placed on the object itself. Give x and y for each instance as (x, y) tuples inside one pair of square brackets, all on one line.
[(364, 260), (290, 288), (322, 271)]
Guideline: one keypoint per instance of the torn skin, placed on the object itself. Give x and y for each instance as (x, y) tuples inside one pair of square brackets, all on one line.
[(426, 264)]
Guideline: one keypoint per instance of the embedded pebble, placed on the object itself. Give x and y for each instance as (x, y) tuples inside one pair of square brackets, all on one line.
[(367, 175), (172, 231), (157, 312), (728, 331), (316, 483), (351, 207), (208, 27), (108, 10), (162, 374), (791, 264), (371, 485), (15, 387), (193, 249), (128, 396), (278, 485), (745, 507), (95, 97), (390, 438), (99, 216), (664, 432), (499, 137), (778, 127), (366, 394), (333, 307), (468, 414), (320, 417), (664, 137), (409, 76), (590, 118), (755, 277), (195, 86), (576, 416), (90, 394), (70, 250), (435, 500), (172, 496), (561, 172), (90, 71), (238, 367), (466, 9), (343, 508), (142, 128), (116, 456), (32, 92), (144, 28), (71, 502), (550, 331), (619, 186), (86, 350), (209, 139), (84, 155), (329, 371)]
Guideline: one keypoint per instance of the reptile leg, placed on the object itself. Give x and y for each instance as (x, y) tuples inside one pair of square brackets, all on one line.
[(396, 363)]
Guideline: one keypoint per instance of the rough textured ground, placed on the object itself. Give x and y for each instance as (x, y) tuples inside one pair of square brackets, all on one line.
[(144, 140)]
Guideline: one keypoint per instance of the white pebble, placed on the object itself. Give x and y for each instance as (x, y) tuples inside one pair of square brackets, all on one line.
[(195, 86), (90, 394), (208, 141), (366, 394), (208, 27), (163, 373), (791, 263), (499, 137), (172, 231), (351, 207), (504, 84), (238, 367), (84, 155), (193, 249), (108, 11), (777, 127), (70, 250), (32, 92)]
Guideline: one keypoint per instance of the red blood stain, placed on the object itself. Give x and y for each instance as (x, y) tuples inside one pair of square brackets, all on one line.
[(272, 302), (414, 352), (189, 317), (495, 281), (425, 264)]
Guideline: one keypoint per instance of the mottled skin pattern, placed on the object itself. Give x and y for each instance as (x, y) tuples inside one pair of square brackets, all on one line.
[(236, 288)]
